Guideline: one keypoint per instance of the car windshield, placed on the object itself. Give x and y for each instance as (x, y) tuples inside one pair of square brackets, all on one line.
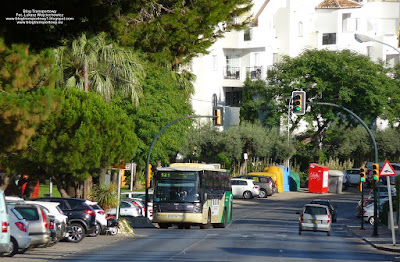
[(312, 210), (319, 202)]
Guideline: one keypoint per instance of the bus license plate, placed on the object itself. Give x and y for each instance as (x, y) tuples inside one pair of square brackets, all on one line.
[(175, 216)]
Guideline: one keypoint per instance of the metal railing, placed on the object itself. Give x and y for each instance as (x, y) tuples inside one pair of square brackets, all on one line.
[(231, 72)]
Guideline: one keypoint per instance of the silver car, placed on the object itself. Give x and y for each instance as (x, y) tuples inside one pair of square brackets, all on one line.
[(38, 223), (245, 188), (315, 218), (20, 239)]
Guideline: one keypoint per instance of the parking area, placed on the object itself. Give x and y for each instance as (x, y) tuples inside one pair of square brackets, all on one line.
[(61, 249)]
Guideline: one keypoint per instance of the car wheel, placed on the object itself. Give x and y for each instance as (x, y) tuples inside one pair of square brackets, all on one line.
[(247, 194), (371, 220), (207, 226), (77, 233), (263, 194), (96, 231), (328, 233), (14, 248)]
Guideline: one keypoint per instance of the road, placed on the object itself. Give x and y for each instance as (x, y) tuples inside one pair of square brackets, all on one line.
[(262, 230)]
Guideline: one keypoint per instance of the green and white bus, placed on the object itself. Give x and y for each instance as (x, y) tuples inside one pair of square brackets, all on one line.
[(192, 194)]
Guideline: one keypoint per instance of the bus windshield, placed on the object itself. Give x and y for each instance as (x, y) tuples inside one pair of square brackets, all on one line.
[(169, 188)]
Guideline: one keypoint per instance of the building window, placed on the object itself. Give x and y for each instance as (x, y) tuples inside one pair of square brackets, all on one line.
[(247, 35), (233, 98), (329, 39), (300, 29)]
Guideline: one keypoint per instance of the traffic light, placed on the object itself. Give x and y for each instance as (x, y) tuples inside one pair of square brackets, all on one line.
[(362, 174), (375, 171), (218, 116), (148, 181), (123, 177), (299, 102)]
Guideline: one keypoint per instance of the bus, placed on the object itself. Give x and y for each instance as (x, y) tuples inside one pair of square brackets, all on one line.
[(188, 194)]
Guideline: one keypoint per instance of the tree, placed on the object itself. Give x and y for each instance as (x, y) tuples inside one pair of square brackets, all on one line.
[(85, 135), (27, 93), (110, 69), (163, 101), (343, 77), (173, 32)]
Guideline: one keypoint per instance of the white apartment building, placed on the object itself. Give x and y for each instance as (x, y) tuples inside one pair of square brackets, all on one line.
[(287, 27)]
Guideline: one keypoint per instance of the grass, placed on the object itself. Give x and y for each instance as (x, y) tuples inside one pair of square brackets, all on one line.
[(45, 189)]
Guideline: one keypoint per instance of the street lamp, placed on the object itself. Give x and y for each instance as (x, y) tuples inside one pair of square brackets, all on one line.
[(363, 39)]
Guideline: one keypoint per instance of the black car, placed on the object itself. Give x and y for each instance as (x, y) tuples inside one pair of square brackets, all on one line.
[(329, 204), (81, 216)]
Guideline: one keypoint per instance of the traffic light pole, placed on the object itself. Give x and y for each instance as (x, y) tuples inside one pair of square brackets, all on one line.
[(362, 205), (151, 147), (375, 233)]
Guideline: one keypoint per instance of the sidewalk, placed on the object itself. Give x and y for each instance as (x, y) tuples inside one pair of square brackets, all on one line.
[(384, 239)]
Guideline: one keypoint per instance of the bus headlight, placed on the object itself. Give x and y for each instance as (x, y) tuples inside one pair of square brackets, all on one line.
[(197, 208)]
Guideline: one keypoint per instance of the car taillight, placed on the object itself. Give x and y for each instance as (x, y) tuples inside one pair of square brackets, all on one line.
[(21, 226), (364, 211), (329, 218), (301, 218), (89, 212), (101, 212), (4, 227), (44, 219)]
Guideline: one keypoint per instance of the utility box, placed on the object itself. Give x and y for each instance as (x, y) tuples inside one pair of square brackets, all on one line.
[(318, 178), (335, 181)]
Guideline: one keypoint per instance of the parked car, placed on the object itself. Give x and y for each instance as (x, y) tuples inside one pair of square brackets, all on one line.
[(126, 208), (359, 209), (140, 195), (101, 221), (368, 211), (19, 229), (39, 222), (315, 218), (245, 188), (81, 216), (55, 213), (329, 204), (5, 242), (353, 175), (266, 183)]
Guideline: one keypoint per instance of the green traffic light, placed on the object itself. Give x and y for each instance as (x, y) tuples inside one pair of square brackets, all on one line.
[(375, 178), (362, 179), (297, 108)]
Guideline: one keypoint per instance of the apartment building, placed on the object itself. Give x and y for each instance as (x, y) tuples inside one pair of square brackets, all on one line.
[(287, 27)]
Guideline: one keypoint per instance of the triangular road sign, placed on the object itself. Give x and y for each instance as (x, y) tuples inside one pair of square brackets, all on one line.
[(387, 170)]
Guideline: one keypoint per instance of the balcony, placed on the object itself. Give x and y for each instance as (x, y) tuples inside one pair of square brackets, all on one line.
[(254, 72), (232, 73)]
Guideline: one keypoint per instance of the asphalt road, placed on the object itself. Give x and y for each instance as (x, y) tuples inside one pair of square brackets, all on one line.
[(262, 230)]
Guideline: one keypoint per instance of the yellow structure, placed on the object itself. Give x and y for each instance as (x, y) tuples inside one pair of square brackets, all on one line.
[(279, 176), (274, 177)]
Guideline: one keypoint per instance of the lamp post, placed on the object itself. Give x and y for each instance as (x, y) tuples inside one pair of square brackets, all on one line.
[(364, 38)]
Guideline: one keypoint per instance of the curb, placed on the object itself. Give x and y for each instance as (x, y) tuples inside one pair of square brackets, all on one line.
[(371, 243)]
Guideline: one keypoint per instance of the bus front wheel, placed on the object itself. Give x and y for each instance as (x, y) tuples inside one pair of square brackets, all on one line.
[(207, 226)]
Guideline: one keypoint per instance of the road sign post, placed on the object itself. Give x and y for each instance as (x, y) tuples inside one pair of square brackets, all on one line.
[(388, 171)]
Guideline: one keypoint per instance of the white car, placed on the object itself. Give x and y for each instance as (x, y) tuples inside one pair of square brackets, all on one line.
[(141, 195), (368, 211), (353, 174), (126, 208), (245, 188), (19, 228), (101, 221), (316, 218), (5, 244)]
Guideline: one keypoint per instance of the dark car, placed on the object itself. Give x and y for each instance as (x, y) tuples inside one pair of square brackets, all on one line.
[(81, 216), (266, 183), (329, 204)]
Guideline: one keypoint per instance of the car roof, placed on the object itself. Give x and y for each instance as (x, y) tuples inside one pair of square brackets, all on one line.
[(314, 205), (246, 179)]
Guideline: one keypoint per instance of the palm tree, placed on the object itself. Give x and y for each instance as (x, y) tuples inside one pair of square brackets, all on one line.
[(101, 66)]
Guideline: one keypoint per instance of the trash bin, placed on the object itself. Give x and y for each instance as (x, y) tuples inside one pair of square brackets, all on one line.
[(285, 175), (279, 176), (318, 178), (335, 181), (294, 181)]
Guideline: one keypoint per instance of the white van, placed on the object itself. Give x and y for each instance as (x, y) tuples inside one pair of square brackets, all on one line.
[(5, 244)]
